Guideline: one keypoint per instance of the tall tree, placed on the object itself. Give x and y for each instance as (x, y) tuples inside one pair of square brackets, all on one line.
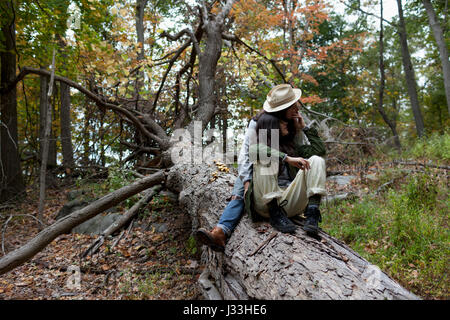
[(442, 46), (140, 10), (12, 182), (390, 122), (64, 116), (409, 72), (44, 101), (66, 131), (45, 142)]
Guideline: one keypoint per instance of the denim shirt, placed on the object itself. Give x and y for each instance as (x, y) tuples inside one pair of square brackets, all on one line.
[(245, 167)]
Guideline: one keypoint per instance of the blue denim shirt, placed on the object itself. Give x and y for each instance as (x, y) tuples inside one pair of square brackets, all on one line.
[(245, 167)]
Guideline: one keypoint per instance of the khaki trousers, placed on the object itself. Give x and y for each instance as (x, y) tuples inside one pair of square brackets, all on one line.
[(305, 184)]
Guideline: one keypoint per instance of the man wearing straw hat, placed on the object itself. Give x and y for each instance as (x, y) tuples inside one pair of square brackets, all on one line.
[(300, 185)]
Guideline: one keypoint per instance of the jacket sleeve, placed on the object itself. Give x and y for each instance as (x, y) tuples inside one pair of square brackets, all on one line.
[(316, 146)]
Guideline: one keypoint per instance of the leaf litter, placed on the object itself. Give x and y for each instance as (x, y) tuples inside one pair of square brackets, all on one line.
[(144, 264)]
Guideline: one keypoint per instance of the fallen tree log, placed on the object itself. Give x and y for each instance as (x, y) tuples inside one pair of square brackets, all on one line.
[(261, 264), (122, 221), (64, 225)]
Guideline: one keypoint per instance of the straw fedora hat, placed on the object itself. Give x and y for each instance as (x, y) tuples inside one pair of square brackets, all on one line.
[(281, 97)]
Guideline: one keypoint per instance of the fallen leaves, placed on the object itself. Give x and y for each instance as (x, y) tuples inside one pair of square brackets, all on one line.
[(141, 260)]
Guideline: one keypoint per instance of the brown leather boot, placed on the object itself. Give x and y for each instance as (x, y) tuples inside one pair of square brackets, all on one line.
[(215, 239)]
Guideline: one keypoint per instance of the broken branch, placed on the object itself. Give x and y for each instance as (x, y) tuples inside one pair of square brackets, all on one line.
[(64, 225)]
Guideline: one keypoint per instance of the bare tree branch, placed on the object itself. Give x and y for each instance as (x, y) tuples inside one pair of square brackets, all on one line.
[(169, 68), (96, 98), (366, 13), (43, 238), (236, 39)]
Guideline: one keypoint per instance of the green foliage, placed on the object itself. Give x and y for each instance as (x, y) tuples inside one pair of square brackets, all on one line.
[(191, 245), (404, 232), (117, 178), (435, 147)]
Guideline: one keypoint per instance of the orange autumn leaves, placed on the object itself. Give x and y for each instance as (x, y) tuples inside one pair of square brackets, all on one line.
[(284, 30)]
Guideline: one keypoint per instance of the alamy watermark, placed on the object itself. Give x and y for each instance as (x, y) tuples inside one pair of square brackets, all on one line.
[(372, 275), (196, 147), (73, 282), (74, 20)]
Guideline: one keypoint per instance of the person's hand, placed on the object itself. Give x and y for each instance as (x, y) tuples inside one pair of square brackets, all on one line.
[(298, 162), (246, 184), (299, 121)]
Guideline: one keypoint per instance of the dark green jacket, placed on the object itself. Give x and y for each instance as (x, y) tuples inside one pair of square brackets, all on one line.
[(315, 148)]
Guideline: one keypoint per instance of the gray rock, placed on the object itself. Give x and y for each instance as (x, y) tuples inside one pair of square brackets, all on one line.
[(70, 207), (160, 227), (97, 224), (337, 197), (341, 180), (372, 177), (72, 195)]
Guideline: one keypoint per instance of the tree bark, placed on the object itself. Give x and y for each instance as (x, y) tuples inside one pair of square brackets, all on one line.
[(140, 10), (208, 58), (44, 102), (259, 263), (65, 121), (66, 131), (45, 138), (409, 72), (11, 183), (64, 225), (381, 110), (442, 46)]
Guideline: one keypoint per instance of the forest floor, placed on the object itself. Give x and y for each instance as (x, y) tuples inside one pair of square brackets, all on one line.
[(150, 262), (145, 263)]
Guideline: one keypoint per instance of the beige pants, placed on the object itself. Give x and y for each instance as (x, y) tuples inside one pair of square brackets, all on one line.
[(305, 184)]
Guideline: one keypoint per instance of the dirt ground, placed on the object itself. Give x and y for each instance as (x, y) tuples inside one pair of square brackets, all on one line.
[(141, 262)]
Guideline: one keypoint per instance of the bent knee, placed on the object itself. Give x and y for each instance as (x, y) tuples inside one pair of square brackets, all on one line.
[(316, 159)]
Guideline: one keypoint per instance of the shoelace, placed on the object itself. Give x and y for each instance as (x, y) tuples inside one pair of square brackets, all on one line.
[(281, 205), (283, 211)]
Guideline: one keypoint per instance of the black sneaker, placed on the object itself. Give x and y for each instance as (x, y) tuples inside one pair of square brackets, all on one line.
[(313, 217), (278, 218)]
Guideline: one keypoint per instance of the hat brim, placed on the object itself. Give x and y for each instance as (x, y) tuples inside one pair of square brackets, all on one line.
[(268, 108)]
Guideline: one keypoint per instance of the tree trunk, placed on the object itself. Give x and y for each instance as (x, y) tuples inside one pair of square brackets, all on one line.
[(409, 72), (208, 63), (65, 122), (140, 10), (66, 131), (389, 122), (64, 225), (11, 183), (44, 102), (45, 143), (207, 71), (259, 263), (442, 46)]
